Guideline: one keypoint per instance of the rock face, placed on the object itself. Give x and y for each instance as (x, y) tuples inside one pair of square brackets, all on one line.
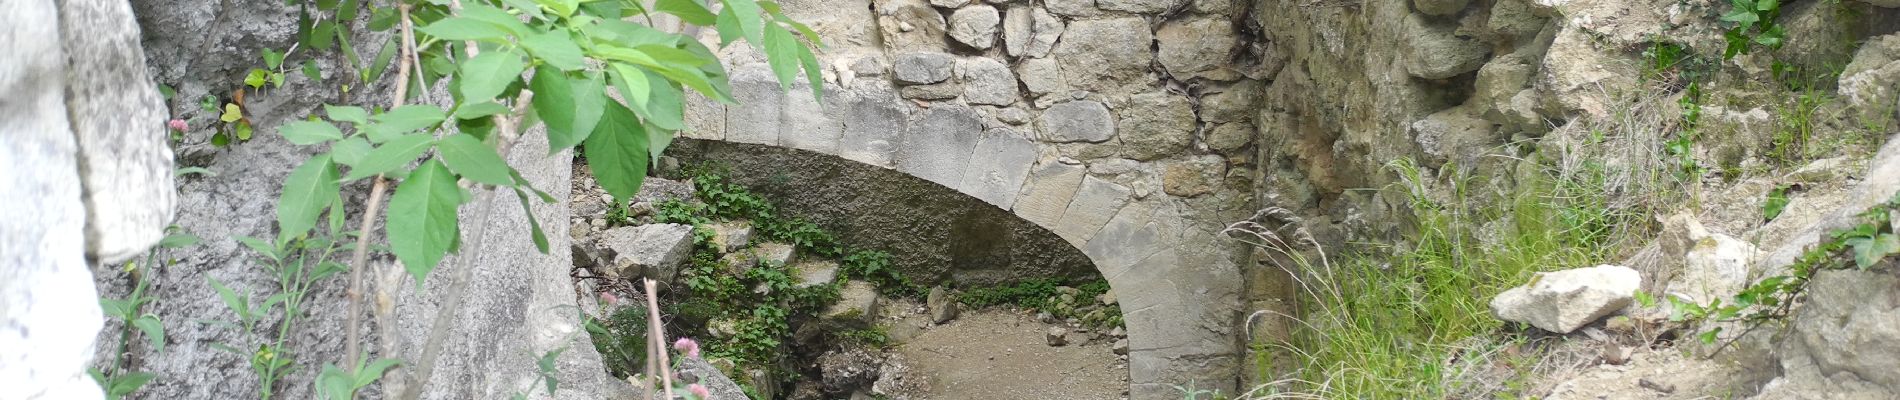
[(1857, 308), (1438, 52), (1565, 300), (89, 181)]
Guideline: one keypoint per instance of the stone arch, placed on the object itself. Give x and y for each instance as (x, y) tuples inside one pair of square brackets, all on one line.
[(1179, 295)]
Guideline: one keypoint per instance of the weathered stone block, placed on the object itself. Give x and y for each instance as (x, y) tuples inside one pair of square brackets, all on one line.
[(875, 125), (652, 251), (1139, 6), (987, 81), (1436, 51), (1041, 76), (1048, 193), (1195, 176), (938, 145), (731, 236), (1154, 125), (857, 304), (934, 91), (809, 125), (1095, 202), (760, 255), (1230, 136), (1077, 121), (1104, 54), (910, 25), (812, 273), (1198, 48), (756, 118), (1565, 300), (923, 68), (975, 26), (998, 167)]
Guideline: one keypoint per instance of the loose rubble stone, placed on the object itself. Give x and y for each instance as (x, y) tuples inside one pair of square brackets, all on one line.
[(923, 68), (1048, 30), (943, 306), (731, 236), (1041, 76), (1077, 121), (1565, 300), (987, 81), (1057, 336), (763, 254), (814, 273), (1121, 347), (975, 26), (857, 304), (848, 369), (651, 251), (1716, 267)]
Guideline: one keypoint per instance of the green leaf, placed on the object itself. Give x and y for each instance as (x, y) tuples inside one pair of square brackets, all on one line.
[(307, 192), (555, 48), (350, 114), (369, 374), (564, 8), (540, 237), (177, 240), (153, 329), (1776, 203), (402, 120), (813, 73), (322, 35), (688, 10), (334, 384), (495, 16), (126, 384), (231, 113), (260, 246), (570, 107), (1741, 16), (489, 74), (255, 79), (305, 133), (526, 6), (657, 140), (746, 16), (617, 152), (115, 309), (479, 110), (1767, 5), (242, 130), (272, 59), (310, 70), (474, 160), (632, 84), (422, 225), (350, 151), (665, 106), (459, 28), (238, 305), (781, 51), (391, 155)]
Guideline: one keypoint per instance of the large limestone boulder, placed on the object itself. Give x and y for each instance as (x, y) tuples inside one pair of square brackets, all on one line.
[(1565, 300)]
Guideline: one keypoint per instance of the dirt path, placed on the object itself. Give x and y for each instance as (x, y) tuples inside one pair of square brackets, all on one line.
[(997, 354)]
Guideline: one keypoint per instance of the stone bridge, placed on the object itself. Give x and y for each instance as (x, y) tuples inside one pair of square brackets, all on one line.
[(1063, 115)]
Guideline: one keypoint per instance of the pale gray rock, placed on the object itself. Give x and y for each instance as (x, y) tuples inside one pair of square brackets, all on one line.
[(763, 254), (975, 26), (987, 81), (998, 166), (651, 251), (1454, 135), (939, 144), (1077, 121), (943, 305), (1849, 325), (910, 25), (1565, 300), (119, 119), (857, 304), (1072, 8), (1018, 27), (1056, 336), (1041, 76), (1140, 6), (813, 273), (923, 68), (1195, 176), (1436, 50), (696, 370), (1230, 136), (1198, 48), (1104, 54), (1048, 30), (873, 129), (1715, 267), (1154, 125), (934, 91), (730, 236)]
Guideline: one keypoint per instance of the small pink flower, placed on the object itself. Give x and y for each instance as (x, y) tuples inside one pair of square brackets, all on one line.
[(609, 298), (177, 125), (699, 391), (688, 346)]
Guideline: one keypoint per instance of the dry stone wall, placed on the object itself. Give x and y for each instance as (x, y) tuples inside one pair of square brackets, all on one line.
[(1090, 119)]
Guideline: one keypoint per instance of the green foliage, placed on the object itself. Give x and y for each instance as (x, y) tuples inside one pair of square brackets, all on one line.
[(1683, 145), (1776, 203), (297, 265), (621, 339), (1033, 293), (1754, 25), (116, 379), (336, 384), (1389, 323)]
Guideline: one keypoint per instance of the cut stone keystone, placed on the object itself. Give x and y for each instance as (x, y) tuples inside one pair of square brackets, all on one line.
[(857, 304), (652, 251), (815, 273), (1565, 300)]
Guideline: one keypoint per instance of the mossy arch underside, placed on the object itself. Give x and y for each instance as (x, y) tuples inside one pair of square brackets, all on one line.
[(1177, 282)]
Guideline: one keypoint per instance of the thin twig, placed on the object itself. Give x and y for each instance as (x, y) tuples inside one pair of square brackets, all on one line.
[(360, 258), (653, 326)]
